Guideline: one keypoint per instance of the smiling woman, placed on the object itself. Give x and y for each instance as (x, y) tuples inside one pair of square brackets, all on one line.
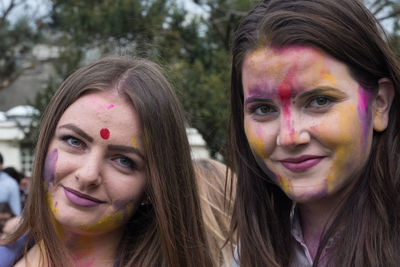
[(314, 139), (112, 183)]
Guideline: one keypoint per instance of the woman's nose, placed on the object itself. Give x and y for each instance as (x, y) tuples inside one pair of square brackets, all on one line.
[(89, 172), (293, 131)]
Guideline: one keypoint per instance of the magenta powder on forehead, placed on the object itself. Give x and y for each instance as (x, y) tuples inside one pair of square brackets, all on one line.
[(50, 167)]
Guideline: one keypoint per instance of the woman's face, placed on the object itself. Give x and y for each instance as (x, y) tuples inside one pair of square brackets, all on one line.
[(95, 165), (306, 120)]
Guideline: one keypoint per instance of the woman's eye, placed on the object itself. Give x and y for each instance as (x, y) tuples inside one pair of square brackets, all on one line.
[(320, 102), (126, 162), (72, 141), (263, 110)]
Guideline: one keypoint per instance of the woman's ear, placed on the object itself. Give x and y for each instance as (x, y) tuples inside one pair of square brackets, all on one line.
[(382, 103)]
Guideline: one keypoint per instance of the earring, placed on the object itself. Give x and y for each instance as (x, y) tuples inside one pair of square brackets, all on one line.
[(145, 202)]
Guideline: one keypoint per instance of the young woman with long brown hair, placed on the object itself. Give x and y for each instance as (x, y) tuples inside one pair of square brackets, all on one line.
[(314, 134), (113, 182)]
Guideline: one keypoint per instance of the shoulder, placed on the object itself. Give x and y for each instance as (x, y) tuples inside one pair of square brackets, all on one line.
[(11, 253), (7, 180)]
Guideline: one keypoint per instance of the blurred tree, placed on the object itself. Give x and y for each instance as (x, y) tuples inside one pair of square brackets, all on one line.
[(388, 14), (202, 74), (16, 41)]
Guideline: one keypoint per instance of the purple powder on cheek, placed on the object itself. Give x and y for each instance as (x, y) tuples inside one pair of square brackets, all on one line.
[(50, 168), (121, 206)]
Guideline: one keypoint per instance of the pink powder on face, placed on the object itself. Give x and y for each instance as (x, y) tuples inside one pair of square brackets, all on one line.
[(105, 133), (364, 99), (285, 94), (110, 106)]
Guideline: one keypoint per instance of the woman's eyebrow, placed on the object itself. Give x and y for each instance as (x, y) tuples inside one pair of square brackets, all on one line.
[(259, 93), (256, 99), (322, 90), (78, 131), (126, 149)]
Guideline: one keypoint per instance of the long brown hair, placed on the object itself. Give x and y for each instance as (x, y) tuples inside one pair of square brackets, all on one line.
[(169, 230), (369, 217), (215, 207)]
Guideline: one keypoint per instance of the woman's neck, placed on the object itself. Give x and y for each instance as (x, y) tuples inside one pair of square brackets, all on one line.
[(84, 250), (92, 250), (314, 217)]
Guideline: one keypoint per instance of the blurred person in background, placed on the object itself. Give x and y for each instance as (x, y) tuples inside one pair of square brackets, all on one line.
[(9, 193)]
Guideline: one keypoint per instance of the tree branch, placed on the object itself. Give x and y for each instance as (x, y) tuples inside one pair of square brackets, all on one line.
[(6, 83), (6, 12)]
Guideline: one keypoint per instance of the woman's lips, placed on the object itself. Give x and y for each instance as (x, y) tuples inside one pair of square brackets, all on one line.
[(301, 164), (81, 199)]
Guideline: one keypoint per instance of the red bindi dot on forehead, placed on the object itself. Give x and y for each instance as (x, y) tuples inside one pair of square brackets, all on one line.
[(105, 133)]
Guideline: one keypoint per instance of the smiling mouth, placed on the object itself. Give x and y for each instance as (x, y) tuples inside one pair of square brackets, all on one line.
[(81, 199), (301, 164)]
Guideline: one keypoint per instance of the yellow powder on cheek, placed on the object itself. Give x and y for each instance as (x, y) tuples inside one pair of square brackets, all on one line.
[(344, 144), (110, 221), (54, 213), (255, 142), (285, 184), (335, 171)]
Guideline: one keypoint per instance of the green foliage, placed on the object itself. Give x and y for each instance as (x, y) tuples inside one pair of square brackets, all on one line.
[(40, 102), (16, 42)]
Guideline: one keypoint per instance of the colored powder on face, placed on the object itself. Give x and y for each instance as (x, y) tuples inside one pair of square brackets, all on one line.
[(255, 142), (49, 168), (110, 221), (347, 131), (54, 212), (334, 171), (364, 98), (110, 106), (285, 184), (261, 92), (121, 206), (329, 77), (285, 95), (105, 133), (133, 140)]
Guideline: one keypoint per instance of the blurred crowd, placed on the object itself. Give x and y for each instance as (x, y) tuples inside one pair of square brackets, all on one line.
[(14, 187)]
